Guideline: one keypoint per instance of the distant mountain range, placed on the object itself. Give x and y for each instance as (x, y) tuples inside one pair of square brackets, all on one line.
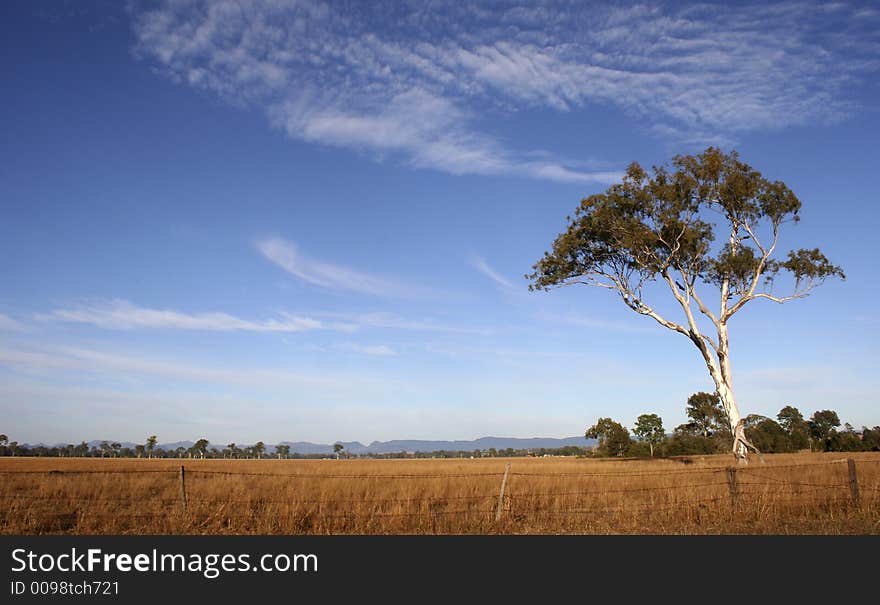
[(387, 447), (414, 445)]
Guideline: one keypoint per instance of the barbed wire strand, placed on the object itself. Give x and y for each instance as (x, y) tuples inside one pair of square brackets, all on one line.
[(219, 516), (622, 474), (602, 492), (634, 509), (346, 476), (89, 472)]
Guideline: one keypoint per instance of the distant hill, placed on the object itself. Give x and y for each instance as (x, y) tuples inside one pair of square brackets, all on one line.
[(390, 447)]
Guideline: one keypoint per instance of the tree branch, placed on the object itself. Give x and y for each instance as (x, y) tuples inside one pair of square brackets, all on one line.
[(631, 299), (596, 284), (643, 309), (694, 332), (764, 253), (711, 343), (759, 270), (782, 299), (692, 290), (725, 283)]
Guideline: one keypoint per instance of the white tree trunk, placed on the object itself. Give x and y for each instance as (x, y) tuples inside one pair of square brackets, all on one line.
[(740, 442), (720, 370)]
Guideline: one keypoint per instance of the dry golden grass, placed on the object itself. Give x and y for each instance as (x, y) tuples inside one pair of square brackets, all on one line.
[(787, 494)]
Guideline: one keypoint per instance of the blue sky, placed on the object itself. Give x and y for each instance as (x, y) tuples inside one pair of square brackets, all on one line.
[(309, 221)]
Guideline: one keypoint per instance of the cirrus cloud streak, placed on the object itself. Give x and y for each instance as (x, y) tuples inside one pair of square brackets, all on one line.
[(418, 81), (123, 315)]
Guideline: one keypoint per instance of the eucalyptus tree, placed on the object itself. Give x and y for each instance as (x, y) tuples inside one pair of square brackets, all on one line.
[(649, 428), (200, 447), (707, 415), (791, 419), (150, 445), (798, 429), (822, 426), (658, 232), (613, 437)]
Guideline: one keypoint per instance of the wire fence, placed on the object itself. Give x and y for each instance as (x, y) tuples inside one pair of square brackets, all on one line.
[(203, 496)]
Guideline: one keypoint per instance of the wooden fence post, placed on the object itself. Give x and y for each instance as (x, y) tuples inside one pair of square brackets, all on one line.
[(733, 486), (501, 495), (853, 481), (183, 487)]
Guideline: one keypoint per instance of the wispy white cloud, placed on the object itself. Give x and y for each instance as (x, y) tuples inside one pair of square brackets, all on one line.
[(285, 254), (502, 353), (123, 315), (393, 321), (479, 263), (867, 320), (427, 131), (636, 325), (414, 80), (117, 363), (119, 314), (373, 350), (7, 324)]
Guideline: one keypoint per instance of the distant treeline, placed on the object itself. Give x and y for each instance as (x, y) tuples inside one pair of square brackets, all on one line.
[(709, 432), (568, 450), (201, 449)]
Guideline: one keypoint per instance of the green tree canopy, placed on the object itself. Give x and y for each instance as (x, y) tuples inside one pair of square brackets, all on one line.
[(792, 421), (613, 438), (768, 435), (707, 414), (822, 425), (649, 428), (200, 447), (151, 445), (871, 438)]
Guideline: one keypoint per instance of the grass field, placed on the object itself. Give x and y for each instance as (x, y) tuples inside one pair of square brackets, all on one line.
[(787, 494)]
